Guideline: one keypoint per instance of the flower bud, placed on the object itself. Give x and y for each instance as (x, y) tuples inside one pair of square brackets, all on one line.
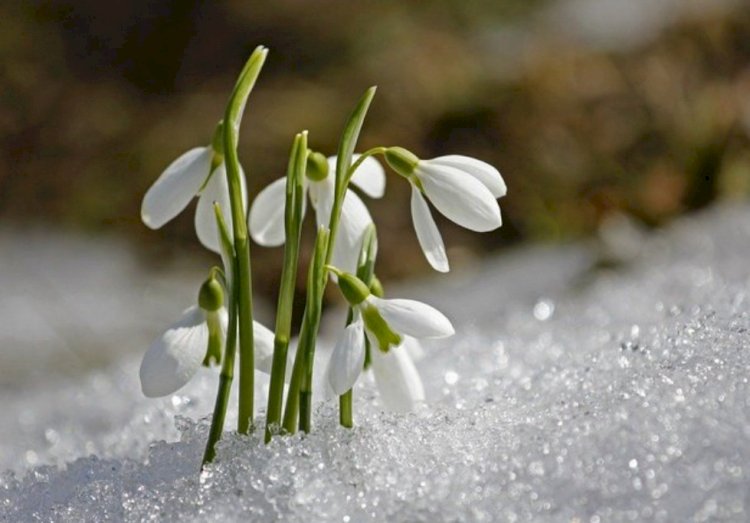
[(317, 166), (402, 161), (211, 295), (354, 290)]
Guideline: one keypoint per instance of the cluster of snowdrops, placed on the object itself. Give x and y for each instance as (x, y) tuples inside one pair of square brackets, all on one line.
[(381, 334)]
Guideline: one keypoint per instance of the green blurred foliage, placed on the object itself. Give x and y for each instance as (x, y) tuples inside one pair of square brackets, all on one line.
[(97, 98)]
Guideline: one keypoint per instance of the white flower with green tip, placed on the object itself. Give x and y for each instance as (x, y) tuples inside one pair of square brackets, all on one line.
[(266, 219), (176, 355), (465, 190), (385, 322), (198, 172), (196, 338)]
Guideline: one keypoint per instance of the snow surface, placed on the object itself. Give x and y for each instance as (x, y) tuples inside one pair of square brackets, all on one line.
[(567, 395)]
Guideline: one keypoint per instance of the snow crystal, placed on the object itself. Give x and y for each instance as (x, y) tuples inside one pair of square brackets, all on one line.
[(567, 395)]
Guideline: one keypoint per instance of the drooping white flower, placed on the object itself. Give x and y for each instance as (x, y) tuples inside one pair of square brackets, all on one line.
[(347, 358), (175, 356), (188, 176), (397, 378), (409, 317), (385, 322), (465, 190), (266, 220)]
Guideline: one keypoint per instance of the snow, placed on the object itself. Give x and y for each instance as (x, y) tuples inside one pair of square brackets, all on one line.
[(568, 394)]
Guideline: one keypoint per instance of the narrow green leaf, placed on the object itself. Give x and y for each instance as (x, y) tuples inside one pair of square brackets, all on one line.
[(243, 87), (293, 226), (350, 136)]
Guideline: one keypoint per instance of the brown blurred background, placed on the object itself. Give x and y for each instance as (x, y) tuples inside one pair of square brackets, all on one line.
[(588, 107)]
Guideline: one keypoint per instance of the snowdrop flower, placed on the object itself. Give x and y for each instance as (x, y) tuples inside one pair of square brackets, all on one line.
[(194, 339), (174, 357), (465, 190), (266, 220), (397, 379), (384, 322), (198, 172)]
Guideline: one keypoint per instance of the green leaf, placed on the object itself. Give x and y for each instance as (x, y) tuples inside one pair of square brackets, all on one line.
[(349, 138), (242, 89)]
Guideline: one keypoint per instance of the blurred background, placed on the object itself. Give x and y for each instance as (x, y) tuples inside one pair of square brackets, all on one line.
[(591, 109)]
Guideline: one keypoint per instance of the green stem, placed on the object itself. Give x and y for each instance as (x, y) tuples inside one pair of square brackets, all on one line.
[(345, 410), (232, 119), (318, 280), (293, 227), (291, 410), (365, 272), (227, 366), (225, 386), (362, 158), (299, 398)]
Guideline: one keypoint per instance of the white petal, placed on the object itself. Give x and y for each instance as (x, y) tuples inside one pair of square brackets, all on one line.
[(413, 348), (482, 171), (175, 356), (397, 379), (413, 318), (322, 390), (460, 197), (354, 222), (347, 359), (369, 176), (427, 232), (216, 190), (263, 340), (321, 197), (176, 186), (267, 215)]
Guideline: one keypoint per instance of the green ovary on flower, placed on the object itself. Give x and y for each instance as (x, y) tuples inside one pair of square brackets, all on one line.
[(211, 295), (354, 290), (317, 167), (402, 161)]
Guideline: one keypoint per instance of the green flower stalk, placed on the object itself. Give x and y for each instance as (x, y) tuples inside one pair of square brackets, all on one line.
[(232, 119), (315, 290), (227, 366), (293, 226), (366, 273), (299, 398)]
